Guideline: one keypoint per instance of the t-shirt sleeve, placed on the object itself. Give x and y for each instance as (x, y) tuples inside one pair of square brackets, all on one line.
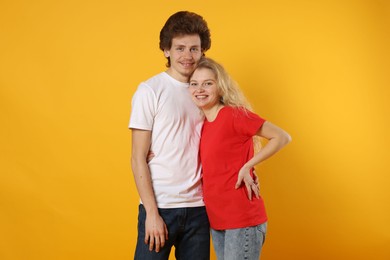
[(143, 108), (247, 123)]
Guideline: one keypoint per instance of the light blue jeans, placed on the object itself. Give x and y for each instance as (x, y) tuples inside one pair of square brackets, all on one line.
[(240, 243)]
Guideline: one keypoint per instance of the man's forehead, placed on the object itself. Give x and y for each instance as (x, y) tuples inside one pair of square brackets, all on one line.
[(193, 40)]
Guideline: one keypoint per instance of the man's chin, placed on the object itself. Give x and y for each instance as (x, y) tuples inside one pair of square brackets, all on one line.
[(187, 73)]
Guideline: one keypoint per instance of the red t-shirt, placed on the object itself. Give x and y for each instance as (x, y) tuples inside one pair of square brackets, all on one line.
[(226, 145)]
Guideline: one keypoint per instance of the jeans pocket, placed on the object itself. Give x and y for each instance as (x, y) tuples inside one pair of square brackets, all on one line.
[(262, 228)]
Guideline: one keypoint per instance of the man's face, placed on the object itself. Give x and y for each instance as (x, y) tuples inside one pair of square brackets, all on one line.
[(184, 54)]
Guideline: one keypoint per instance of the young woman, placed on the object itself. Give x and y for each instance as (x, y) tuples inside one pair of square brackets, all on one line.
[(238, 224)]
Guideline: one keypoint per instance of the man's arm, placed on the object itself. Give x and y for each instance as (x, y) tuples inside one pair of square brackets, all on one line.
[(156, 231)]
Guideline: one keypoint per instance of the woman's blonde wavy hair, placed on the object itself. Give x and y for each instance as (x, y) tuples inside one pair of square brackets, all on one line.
[(229, 90)]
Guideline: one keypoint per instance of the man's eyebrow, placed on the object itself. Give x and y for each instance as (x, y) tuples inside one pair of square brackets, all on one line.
[(183, 45)]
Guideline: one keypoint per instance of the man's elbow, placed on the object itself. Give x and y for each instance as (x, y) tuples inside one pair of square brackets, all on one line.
[(136, 162)]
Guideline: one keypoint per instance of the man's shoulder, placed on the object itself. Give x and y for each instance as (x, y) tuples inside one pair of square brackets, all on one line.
[(156, 80), (152, 85)]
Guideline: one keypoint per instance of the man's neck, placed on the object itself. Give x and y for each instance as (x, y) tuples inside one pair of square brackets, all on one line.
[(178, 76)]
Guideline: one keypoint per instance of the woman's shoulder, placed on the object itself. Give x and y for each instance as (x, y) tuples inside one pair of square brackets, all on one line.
[(237, 111)]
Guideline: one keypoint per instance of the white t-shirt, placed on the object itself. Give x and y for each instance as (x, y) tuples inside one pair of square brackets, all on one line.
[(163, 105)]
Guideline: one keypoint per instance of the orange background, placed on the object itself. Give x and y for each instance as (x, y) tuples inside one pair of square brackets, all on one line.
[(68, 69)]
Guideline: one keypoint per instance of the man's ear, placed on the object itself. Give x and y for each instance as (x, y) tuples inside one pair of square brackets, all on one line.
[(166, 53)]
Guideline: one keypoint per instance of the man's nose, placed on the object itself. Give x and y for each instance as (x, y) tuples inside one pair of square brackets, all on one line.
[(187, 53)]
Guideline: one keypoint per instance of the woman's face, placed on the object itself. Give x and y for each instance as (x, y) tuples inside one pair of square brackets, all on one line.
[(204, 89)]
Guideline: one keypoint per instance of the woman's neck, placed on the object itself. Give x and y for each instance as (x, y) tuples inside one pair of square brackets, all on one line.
[(212, 112)]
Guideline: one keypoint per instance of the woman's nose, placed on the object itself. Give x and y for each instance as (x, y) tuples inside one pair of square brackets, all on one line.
[(201, 88)]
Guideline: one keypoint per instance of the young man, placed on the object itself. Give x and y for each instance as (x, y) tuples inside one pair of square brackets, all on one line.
[(166, 121)]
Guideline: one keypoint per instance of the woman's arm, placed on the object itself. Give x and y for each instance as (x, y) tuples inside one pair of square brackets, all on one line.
[(277, 139)]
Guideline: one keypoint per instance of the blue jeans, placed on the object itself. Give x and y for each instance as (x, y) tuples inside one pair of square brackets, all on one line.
[(188, 232), (240, 243)]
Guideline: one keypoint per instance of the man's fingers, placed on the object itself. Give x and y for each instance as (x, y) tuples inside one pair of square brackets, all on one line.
[(166, 232), (147, 239), (157, 243), (151, 243), (162, 240)]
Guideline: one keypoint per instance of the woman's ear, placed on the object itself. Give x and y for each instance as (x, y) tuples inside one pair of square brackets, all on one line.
[(166, 53)]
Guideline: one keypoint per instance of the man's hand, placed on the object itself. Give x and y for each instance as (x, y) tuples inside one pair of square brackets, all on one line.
[(251, 183), (156, 232)]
